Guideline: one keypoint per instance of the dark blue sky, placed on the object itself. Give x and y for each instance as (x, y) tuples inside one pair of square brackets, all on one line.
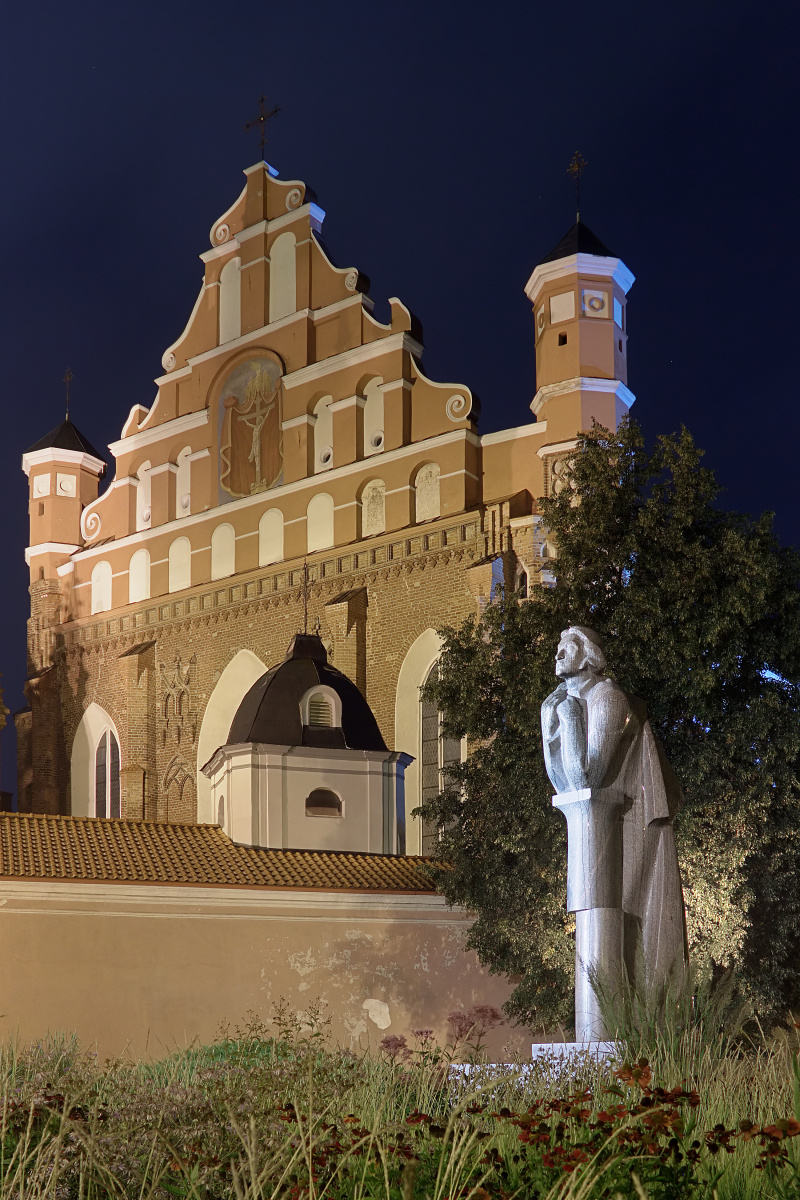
[(436, 136)]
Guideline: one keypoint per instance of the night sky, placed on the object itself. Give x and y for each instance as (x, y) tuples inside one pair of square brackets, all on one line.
[(436, 136)]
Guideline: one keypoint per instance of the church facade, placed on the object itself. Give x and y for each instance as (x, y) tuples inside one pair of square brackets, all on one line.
[(297, 471)]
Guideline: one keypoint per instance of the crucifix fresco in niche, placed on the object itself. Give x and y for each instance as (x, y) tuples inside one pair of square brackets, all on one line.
[(250, 436)]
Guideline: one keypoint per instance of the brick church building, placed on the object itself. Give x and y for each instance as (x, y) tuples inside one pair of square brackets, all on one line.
[(225, 741), (296, 470)]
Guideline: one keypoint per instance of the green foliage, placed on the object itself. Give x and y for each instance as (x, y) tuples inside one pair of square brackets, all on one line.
[(700, 611), (259, 1117)]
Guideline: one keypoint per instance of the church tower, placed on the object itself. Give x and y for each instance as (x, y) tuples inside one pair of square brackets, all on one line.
[(579, 296), (64, 471)]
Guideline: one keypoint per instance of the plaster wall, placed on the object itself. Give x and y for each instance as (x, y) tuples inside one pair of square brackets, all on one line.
[(143, 970)]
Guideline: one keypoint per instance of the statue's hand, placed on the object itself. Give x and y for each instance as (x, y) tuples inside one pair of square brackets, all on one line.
[(549, 710), (570, 713)]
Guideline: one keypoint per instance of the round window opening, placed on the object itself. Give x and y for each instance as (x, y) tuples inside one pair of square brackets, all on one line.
[(376, 441), (325, 455), (323, 803)]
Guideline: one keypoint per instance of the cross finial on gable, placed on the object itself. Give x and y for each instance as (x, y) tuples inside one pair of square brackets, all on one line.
[(261, 122)]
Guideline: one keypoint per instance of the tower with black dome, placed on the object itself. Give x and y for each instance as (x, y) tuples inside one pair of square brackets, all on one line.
[(64, 472), (579, 296)]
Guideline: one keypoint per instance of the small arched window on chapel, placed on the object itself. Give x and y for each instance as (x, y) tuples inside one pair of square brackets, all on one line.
[(322, 802), (320, 711), (106, 776)]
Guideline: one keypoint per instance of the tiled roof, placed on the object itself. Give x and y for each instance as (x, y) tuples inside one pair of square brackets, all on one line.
[(578, 240), (34, 846)]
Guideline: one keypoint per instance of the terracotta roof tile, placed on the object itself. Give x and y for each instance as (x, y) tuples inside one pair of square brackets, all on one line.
[(34, 846)]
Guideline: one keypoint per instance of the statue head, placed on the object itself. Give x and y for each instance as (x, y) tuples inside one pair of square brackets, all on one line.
[(579, 650)]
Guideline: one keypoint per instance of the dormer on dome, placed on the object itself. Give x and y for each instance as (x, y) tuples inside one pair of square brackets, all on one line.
[(578, 292), (305, 766), (64, 471)]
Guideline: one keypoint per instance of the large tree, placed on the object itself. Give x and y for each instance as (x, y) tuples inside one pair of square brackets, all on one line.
[(700, 612)]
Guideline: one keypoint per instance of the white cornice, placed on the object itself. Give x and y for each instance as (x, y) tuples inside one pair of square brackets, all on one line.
[(349, 358), (173, 428), (199, 902), (591, 265), (348, 402), (557, 447), (303, 419), (49, 548), (275, 495), (535, 429), (52, 454), (582, 383)]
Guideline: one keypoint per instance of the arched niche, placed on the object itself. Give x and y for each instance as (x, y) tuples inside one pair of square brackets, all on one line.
[(282, 277), (319, 522), (323, 434), (270, 537), (139, 576), (420, 658), (232, 686), (180, 564), (223, 552), (230, 301), (427, 502), (373, 416), (94, 725), (373, 508), (101, 587)]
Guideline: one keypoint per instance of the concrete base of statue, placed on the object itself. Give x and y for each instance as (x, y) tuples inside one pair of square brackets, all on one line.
[(594, 894), (568, 1050)]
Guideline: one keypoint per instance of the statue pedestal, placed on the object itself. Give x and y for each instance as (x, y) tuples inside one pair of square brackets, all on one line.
[(594, 894)]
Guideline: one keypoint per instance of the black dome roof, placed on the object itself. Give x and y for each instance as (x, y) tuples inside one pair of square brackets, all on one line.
[(270, 712), (65, 436), (578, 240)]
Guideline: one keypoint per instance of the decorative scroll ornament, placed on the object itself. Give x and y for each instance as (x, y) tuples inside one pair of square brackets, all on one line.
[(168, 360), (458, 407), (351, 280), (90, 524), (222, 233), (293, 199)]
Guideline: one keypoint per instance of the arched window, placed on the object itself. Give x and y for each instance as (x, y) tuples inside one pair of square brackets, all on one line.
[(373, 508), (94, 766), (139, 577), (282, 277), (437, 754), (223, 552), (426, 485), (319, 522), (230, 301), (180, 564), (322, 802), (183, 484), (101, 587), (106, 776), (323, 434), (270, 537), (373, 417), (143, 510)]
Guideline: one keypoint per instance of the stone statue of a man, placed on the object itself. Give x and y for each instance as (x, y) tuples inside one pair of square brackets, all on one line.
[(596, 736)]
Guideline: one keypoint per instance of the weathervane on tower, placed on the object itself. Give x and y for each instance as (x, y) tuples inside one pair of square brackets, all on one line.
[(577, 166), (67, 380), (261, 122)]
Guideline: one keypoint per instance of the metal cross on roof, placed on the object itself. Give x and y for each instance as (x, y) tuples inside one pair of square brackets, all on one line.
[(67, 380), (576, 168), (261, 122)]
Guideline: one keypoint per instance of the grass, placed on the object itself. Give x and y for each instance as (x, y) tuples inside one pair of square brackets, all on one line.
[(273, 1111)]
